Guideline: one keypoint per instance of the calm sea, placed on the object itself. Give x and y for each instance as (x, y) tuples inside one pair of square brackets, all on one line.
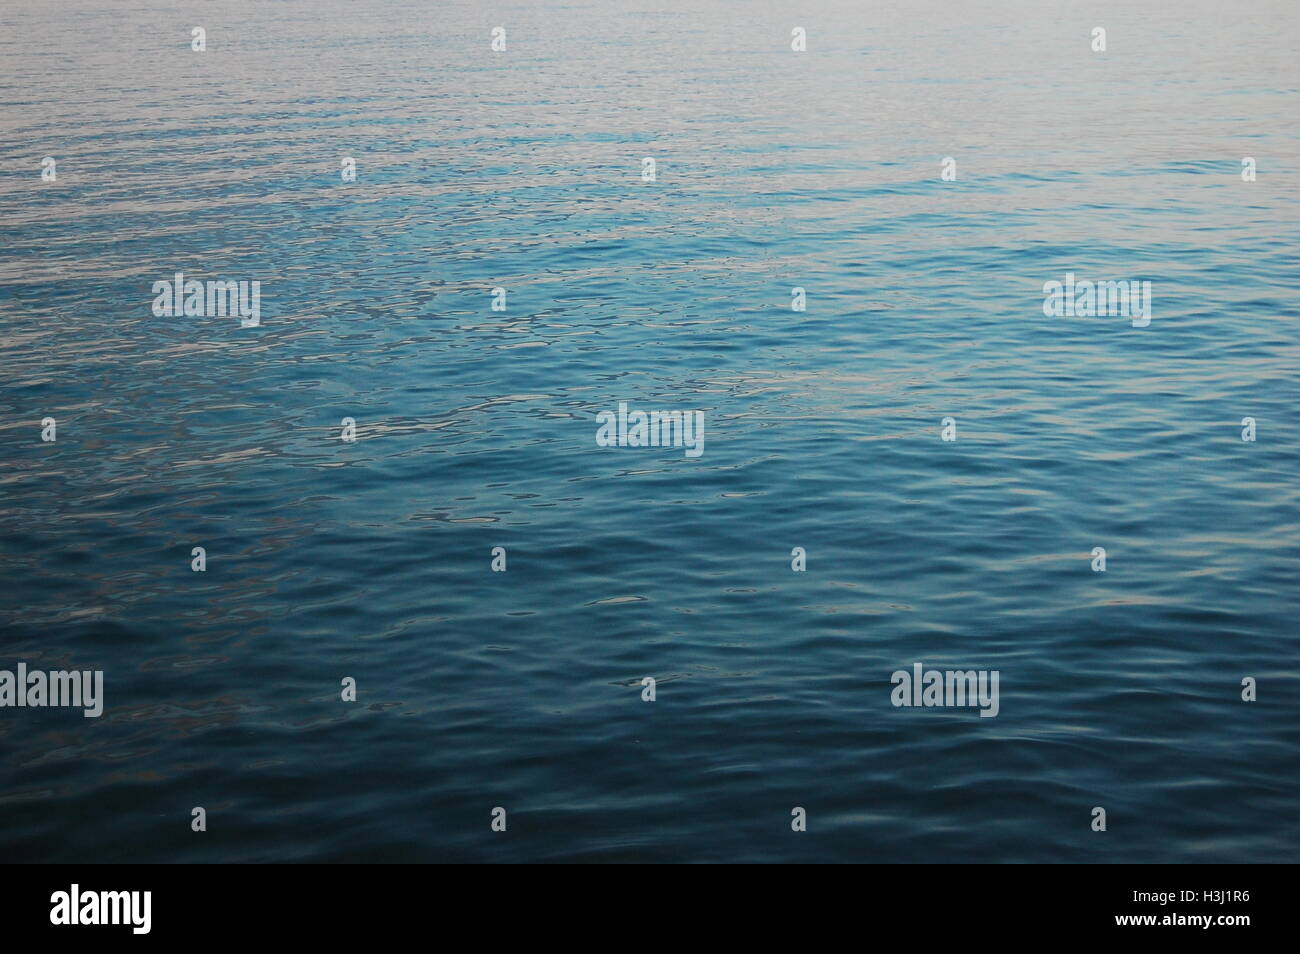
[(522, 689)]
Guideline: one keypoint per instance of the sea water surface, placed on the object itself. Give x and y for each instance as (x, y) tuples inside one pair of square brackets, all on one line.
[(476, 429)]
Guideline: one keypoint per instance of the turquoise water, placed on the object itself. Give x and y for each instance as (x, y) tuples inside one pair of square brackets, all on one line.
[(476, 429)]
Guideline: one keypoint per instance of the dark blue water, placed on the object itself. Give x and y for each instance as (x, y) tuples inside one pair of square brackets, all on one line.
[(476, 429)]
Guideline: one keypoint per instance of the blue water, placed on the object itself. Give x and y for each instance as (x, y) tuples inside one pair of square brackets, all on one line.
[(476, 429)]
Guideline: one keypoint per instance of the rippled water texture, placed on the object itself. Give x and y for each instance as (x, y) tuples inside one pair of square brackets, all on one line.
[(476, 429)]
